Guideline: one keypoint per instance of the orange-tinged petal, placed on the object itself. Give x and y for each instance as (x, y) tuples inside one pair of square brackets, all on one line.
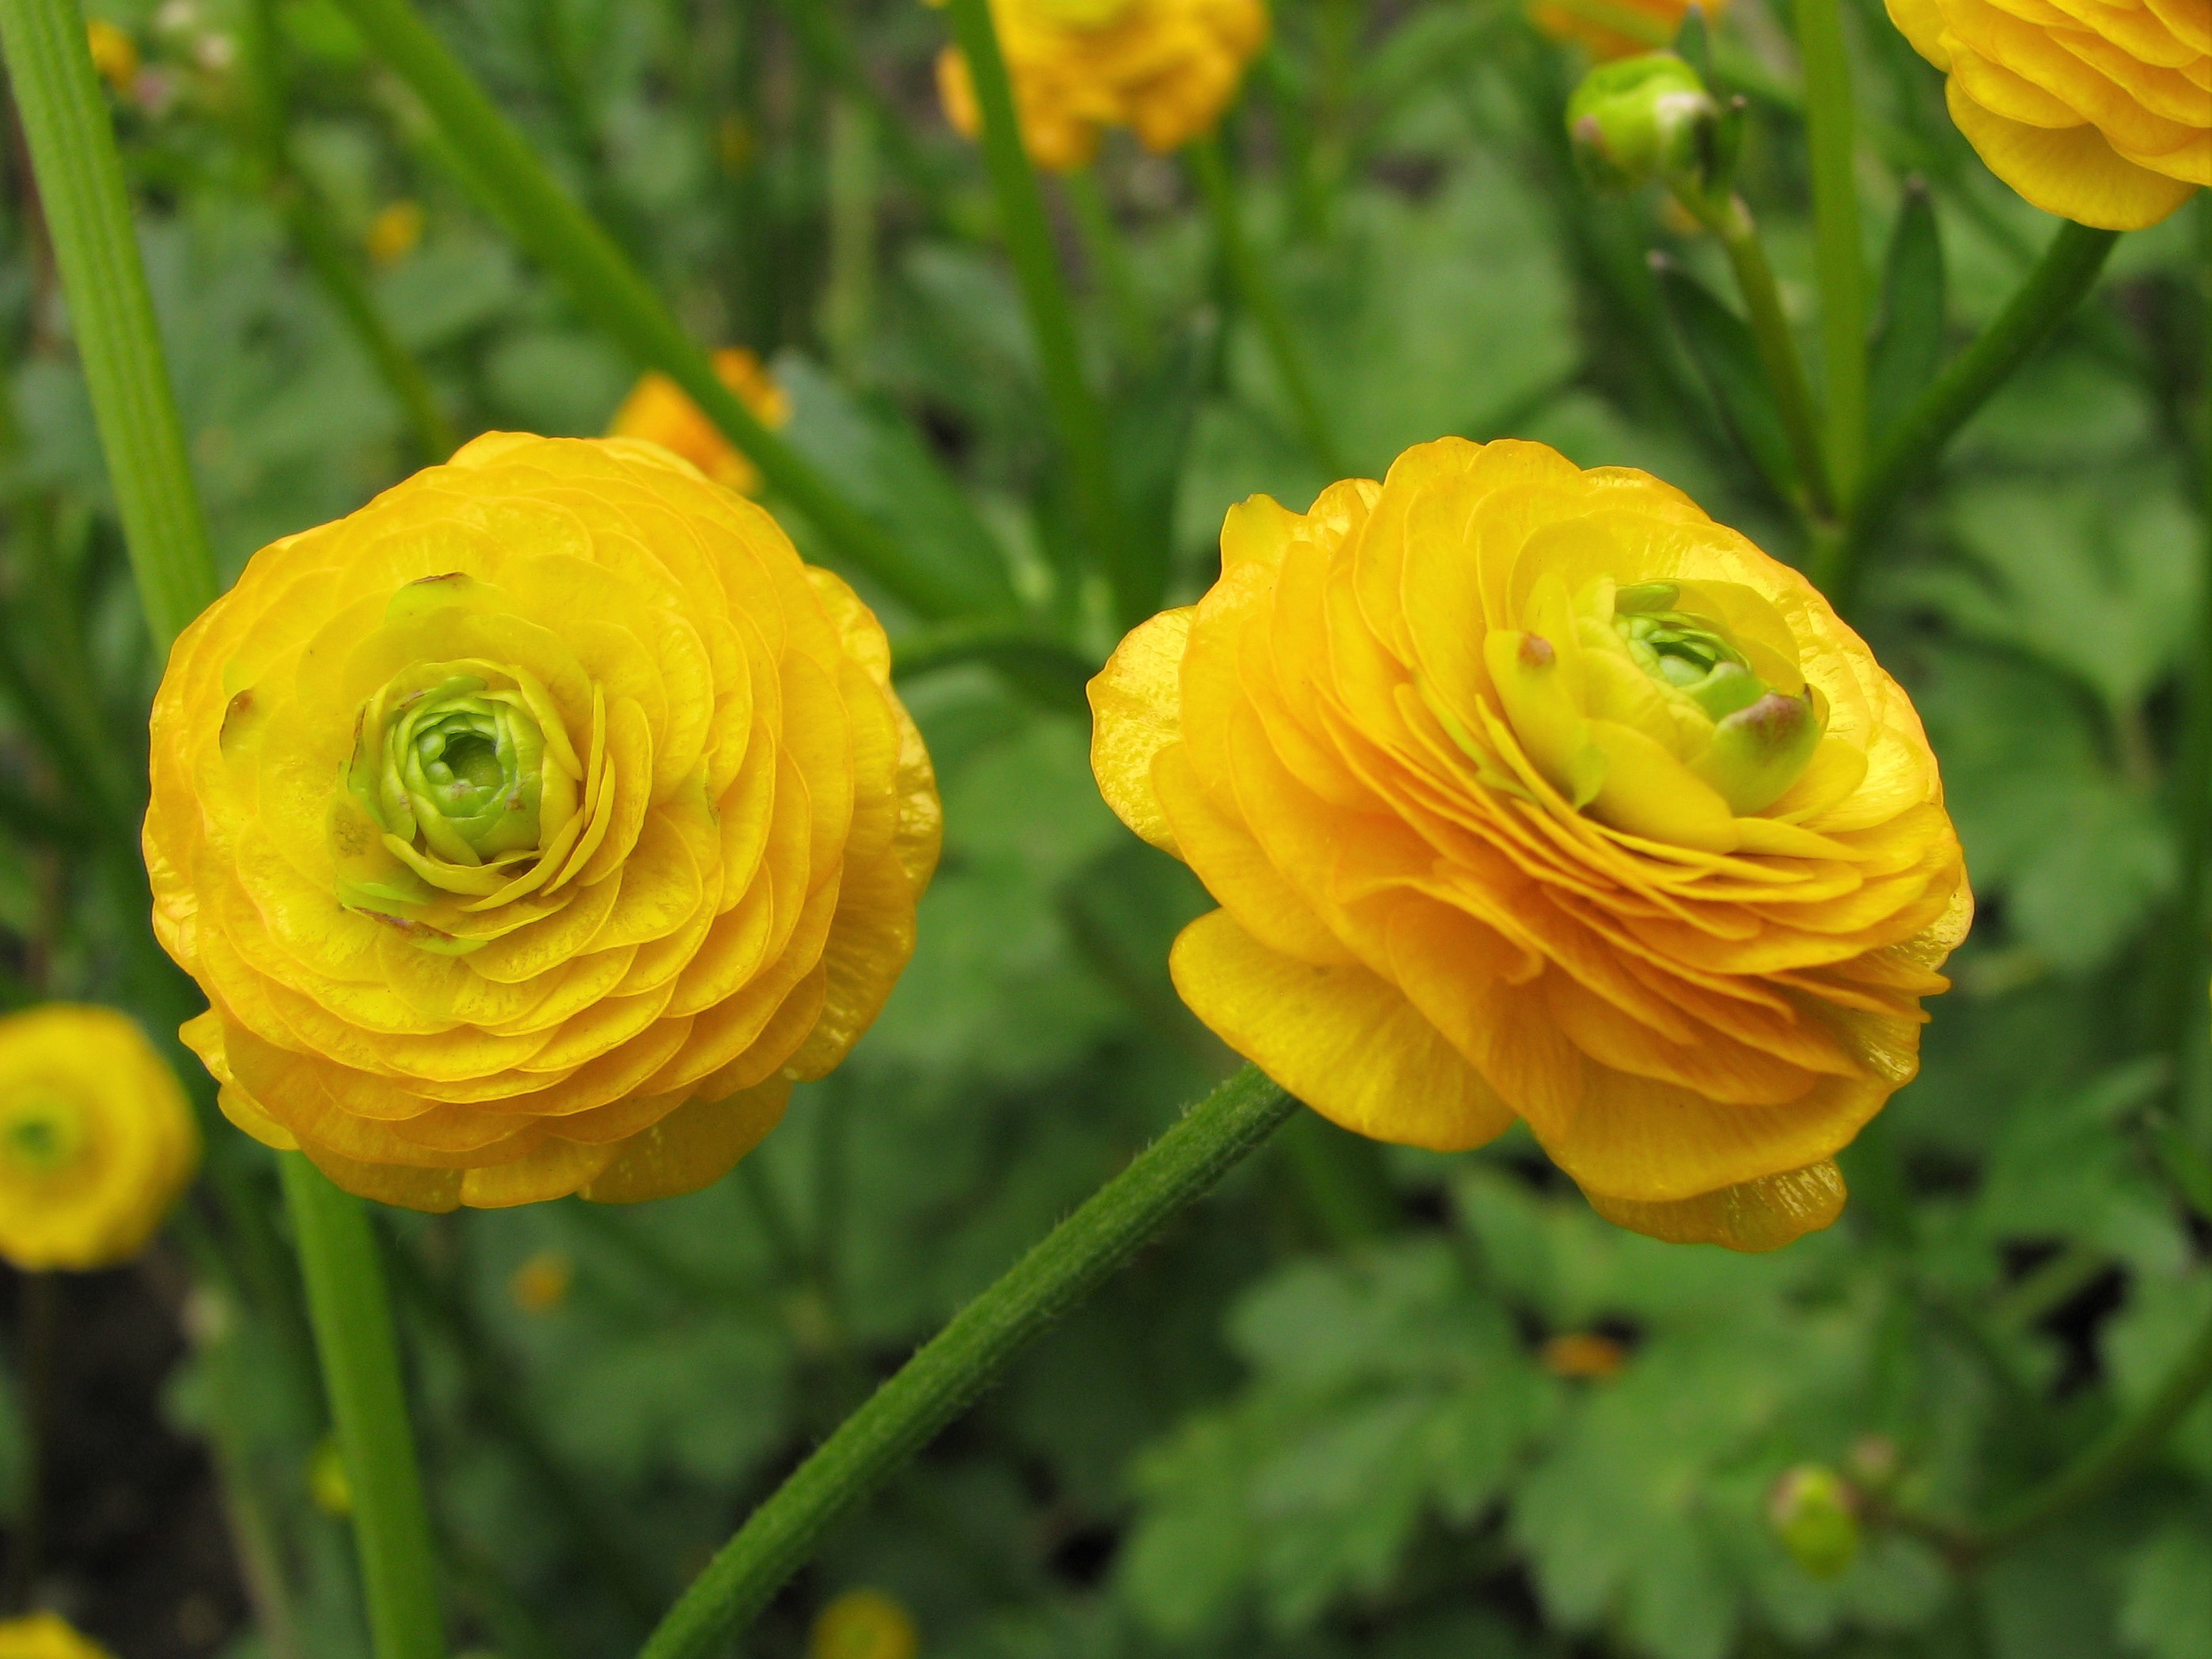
[(1758, 1215)]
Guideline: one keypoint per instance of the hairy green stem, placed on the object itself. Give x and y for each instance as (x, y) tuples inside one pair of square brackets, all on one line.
[(2065, 274), (548, 222), (1210, 165), (962, 1359), (1075, 409), (360, 1373), (1731, 222), (1839, 259), (88, 215)]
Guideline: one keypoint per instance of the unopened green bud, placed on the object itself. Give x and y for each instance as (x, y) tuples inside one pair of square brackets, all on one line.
[(1762, 748), (1814, 1513), (1639, 118)]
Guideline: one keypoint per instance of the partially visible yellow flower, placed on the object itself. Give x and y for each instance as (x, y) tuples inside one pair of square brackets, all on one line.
[(1599, 25), (541, 1284), (1165, 68), (395, 233), (533, 828), (1584, 1354), (863, 1623), (2099, 111), (659, 412), (96, 1139), (43, 1636), (114, 54), (1534, 792)]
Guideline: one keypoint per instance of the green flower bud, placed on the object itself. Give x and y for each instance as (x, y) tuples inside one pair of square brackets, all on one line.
[(1639, 118), (457, 768), (1814, 1513)]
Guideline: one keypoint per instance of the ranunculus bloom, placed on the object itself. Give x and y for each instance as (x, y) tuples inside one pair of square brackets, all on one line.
[(42, 1635), (1529, 791), (1165, 68), (531, 829), (659, 411), (2099, 111), (1563, 21), (96, 1139)]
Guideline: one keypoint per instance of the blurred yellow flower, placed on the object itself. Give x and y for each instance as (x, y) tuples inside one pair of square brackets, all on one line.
[(1584, 1354), (96, 1139), (1532, 791), (532, 828), (114, 54), (328, 1483), (541, 1284), (43, 1636), (2099, 111), (395, 233), (863, 1623), (658, 411), (1599, 25), (1166, 68)]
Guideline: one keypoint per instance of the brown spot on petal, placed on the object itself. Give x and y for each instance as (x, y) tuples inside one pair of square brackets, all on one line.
[(1537, 651)]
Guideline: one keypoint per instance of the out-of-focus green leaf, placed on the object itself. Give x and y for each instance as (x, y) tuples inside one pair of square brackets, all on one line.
[(1721, 344), (2167, 1613), (1908, 348)]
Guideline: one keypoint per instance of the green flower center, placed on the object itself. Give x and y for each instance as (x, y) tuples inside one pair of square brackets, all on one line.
[(40, 1135), (457, 769), (1689, 653)]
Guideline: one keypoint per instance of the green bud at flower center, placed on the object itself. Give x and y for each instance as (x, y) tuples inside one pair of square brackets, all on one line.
[(457, 769), (1688, 653), (40, 1135)]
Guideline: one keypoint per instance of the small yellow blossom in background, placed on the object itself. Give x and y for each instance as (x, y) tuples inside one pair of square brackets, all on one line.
[(1529, 791), (541, 1283), (1572, 20), (96, 1139), (659, 412), (43, 1636), (114, 54), (1166, 68), (395, 233), (1584, 1354), (863, 1623), (328, 1484), (2099, 111), (530, 830)]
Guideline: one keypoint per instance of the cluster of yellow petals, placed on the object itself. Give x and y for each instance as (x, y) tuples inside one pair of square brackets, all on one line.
[(704, 887), (44, 1636), (1475, 863), (1599, 27), (659, 411), (96, 1139), (1166, 68), (2099, 111)]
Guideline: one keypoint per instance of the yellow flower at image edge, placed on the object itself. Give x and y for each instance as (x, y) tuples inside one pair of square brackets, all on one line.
[(531, 829), (659, 412), (1565, 20), (1532, 792), (43, 1636), (1165, 68), (2099, 111), (96, 1139)]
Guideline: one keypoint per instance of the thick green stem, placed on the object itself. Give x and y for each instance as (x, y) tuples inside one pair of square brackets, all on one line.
[(2066, 271), (936, 1383), (88, 215), (1211, 168), (360, 1374), (547, 221), (1732, 222), (1075, 409), (1840, 258)]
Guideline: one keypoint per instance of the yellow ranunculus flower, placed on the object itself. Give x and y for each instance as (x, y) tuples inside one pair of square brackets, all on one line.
[(1534, 792), (2099, 111), (1165, 68), (96, 1139), (863, 1623), (43, 1636), (1563, 20), (532, 828), (659, 412), (114, 54)]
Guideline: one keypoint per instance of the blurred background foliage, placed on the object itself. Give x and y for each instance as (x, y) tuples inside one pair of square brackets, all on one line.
[(1387, 1405)]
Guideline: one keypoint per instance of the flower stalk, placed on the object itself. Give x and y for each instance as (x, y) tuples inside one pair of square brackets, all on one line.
[(1209, 165), (1839, 257), (353, 1335), (962, 1359), (1731, 222), (1075, 408)]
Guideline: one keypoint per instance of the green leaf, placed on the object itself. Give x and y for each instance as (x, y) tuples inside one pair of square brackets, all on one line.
[(2166, 1610), (1908, 347), (1721, 344)]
